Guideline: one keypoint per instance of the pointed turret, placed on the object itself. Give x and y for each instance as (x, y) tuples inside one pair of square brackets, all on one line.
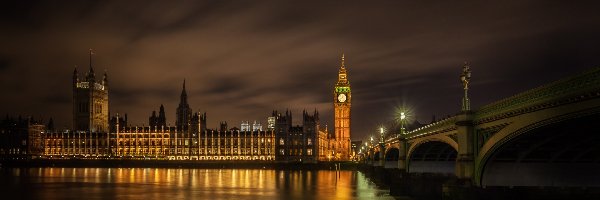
[(105, 79), (203, 122), (75, 76), (162, 117), (161, 112), (183, 92), (91, 75), (152, 120), (50, 125)]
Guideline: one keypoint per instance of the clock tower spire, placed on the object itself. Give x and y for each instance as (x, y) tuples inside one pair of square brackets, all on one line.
[(342, 99), (342, 75)]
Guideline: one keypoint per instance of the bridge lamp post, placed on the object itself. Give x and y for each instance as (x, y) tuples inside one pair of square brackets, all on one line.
[(402, 117), (465, 77), (381, 133), (370, 149), (382, 147), (366, 150)]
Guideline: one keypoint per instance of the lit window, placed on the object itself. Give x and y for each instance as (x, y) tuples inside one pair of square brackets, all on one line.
[(281, 152), (309, 152), (309, 142), (281, 142)]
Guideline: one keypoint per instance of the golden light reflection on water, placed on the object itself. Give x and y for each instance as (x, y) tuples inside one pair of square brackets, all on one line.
[(161, 183)]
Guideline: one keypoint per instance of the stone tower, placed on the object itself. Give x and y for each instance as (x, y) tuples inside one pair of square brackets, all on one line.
[(90, 101), (342, 100)]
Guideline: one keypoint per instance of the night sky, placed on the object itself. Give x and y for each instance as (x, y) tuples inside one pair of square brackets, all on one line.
[(243, 59)]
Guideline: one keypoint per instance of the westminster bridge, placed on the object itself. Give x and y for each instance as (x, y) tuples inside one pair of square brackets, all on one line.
[(546, 136)]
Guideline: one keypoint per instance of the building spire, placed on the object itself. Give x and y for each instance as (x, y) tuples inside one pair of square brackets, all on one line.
[(183, 99), (183, 92), (343, 65), (91, 67), (342, 75), (75, 76)]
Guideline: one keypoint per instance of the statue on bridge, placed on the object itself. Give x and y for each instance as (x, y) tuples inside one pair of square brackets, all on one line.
[(465, 77)]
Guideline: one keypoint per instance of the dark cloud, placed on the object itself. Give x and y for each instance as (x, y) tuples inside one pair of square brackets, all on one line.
[(4, 64), (242, 59)]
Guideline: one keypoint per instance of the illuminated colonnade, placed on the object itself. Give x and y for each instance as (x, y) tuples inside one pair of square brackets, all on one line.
[(164, 143)]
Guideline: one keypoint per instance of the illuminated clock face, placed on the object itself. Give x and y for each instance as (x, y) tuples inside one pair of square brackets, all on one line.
[(342, 98)]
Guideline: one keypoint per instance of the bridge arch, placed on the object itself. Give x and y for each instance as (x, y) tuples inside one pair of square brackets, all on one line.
[(434, 138), (376, 156), (392, 154), (370, 156), (559, 150), (432, 155)]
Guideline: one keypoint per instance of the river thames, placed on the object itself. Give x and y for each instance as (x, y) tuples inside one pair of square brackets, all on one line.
[(181, 183)]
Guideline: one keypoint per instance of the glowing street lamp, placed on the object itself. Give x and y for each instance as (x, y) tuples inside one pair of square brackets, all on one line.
[(402, 118), (381, 133), (401, 115)]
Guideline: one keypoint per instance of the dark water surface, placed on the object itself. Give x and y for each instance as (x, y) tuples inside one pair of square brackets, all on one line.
[(165, 183)]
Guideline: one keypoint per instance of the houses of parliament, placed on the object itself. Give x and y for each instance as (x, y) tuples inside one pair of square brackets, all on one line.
[(96, 135)]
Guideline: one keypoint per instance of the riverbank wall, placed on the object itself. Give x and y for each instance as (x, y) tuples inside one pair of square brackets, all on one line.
[(447, 187), (120, 163)]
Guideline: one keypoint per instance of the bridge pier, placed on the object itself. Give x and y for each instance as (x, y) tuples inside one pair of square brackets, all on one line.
[(371, 161), (402, 155), (382, 154), (464, 136)]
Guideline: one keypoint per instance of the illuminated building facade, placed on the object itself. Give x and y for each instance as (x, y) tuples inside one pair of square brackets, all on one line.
[(165, 143), (246, 126), (324, 148), (169, 143), (94, 136), (342, 100), (256, 126), (90, 102), (271, 123), (76, 144), (297, 143), (21, 138), (188, 140)]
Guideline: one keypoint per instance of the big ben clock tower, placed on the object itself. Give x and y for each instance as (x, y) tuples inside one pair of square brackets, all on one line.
[(342, 99)]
